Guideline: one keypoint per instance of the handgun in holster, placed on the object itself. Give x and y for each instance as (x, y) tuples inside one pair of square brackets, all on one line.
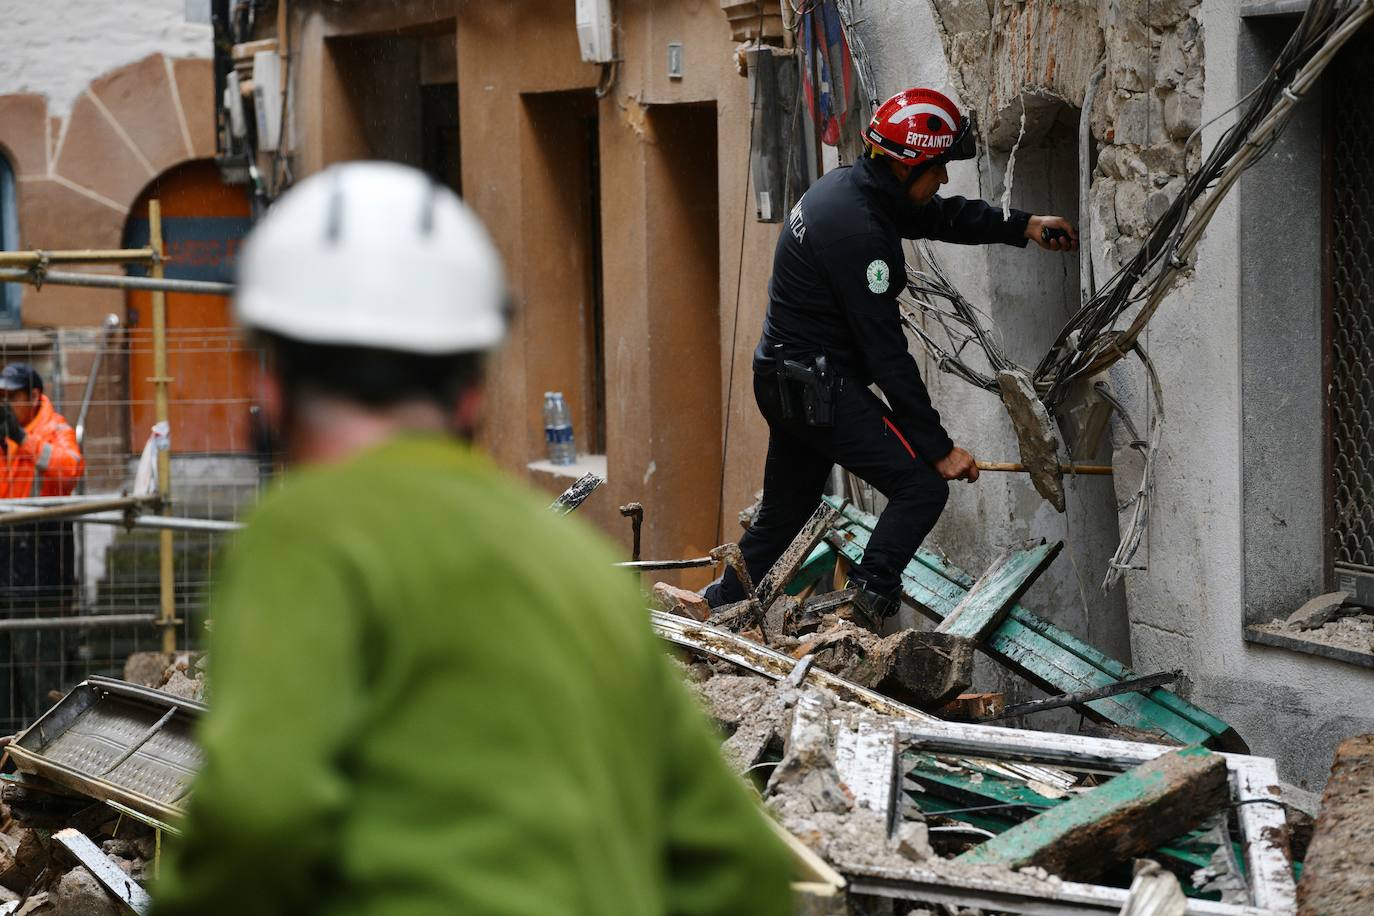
[(817, 389)]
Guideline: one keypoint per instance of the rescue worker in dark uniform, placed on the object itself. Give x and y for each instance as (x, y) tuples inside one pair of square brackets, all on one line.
[(833, 328)]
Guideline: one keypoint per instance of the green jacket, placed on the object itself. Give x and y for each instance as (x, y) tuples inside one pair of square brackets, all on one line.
[(429, 695)]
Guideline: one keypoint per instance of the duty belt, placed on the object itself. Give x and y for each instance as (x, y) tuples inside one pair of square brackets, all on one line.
[(813, 375)]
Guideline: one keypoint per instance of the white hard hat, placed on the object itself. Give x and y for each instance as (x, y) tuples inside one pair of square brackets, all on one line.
[(373, 254)]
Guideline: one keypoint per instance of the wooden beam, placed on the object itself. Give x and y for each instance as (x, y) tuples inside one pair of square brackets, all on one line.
[(775, 580), (988, 602), (1127, 816), (1338, 874), (1045, 655), (125, 889)]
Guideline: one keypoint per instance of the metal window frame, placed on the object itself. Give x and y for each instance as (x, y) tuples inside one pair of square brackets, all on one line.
[(10, 293)]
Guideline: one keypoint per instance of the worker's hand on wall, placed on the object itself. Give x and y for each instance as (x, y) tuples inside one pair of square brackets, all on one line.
[(958, 465), (10, 425), (1053, 233)]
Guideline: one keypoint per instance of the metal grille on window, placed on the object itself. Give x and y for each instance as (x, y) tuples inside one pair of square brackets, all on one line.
[(1352, 326)]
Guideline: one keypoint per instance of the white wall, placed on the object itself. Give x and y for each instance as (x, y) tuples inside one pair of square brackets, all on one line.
[(56, 47), (1186, 610)]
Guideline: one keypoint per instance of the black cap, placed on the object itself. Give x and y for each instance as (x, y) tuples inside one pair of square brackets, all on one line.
[(20, 377)]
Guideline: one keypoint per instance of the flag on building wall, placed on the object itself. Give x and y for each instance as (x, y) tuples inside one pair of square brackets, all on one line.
[(827, 69)]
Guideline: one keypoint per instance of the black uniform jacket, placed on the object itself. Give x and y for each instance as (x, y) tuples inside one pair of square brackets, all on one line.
[(838, 269)]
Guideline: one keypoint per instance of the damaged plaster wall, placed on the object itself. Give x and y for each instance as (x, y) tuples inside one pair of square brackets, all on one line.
[(1028, 292), (42, 52), (1186, 609)]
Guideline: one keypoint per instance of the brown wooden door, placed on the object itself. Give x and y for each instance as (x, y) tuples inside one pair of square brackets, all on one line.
[(203, 224)]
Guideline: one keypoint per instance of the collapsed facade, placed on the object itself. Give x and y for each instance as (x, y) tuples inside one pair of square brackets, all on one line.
[(626, 199)]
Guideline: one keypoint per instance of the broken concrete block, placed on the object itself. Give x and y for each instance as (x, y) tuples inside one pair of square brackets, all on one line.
[(1036, 436), (23, 854), (179, 685), (748, 746), (912, 841), (146, 668), (806, 781), (1320, 610), (78, 893), (923, 669), (1338, 875), (680, 602)]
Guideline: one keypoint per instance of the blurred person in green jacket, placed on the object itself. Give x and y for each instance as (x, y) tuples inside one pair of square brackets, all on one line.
[(428, 695)]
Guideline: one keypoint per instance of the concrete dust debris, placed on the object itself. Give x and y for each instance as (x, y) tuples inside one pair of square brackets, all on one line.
[(1342, 627), (1318, 611)]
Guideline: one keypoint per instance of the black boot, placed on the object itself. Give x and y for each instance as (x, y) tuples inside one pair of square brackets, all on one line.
[(873, 606)]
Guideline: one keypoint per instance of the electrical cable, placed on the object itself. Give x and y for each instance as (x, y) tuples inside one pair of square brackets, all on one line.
[(734, 333)]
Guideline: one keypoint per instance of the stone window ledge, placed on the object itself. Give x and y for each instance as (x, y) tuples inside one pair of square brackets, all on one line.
[(1297, 641)]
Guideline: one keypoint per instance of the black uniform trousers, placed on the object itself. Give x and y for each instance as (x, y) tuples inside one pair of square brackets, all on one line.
[(865, 440)]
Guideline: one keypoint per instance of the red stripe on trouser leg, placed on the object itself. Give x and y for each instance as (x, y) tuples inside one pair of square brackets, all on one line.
[(898, 433)]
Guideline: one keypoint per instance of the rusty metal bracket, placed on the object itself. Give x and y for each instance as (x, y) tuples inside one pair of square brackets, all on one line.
[(635, 513)]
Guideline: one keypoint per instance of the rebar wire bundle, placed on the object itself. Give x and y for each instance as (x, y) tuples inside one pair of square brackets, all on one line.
[(1090, 341)]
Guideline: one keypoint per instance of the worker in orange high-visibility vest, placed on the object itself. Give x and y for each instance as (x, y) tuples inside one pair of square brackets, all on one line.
[(42, 457), (37, 559)]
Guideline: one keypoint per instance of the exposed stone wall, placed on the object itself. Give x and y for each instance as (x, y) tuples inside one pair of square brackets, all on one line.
[(1009, 57), (1148, 105)]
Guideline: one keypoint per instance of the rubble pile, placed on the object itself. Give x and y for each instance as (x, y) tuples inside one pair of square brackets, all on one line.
[(1332, 620), (182, 674), (796, 734), (41, 876)]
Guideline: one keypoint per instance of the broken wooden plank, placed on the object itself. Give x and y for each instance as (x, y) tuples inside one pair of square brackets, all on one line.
[(866, 758), (978, 793), (1338, 874), (796, 554), (125, 889), (1028, 653), (1224, 738), (1263, 822), (1127, 816), (1044, 654), (987, 603)]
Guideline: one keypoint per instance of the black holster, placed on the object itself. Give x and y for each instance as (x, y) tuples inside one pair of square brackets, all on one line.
[(813, 380)]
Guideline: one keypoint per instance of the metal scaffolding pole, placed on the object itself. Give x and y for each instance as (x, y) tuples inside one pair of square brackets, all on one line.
[(39, 257), (167, 616), (155, 283)]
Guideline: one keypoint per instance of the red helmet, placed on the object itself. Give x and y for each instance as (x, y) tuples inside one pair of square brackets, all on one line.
[(920, 127)]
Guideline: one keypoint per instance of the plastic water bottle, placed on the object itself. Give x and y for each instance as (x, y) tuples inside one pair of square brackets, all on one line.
[(558, 431)]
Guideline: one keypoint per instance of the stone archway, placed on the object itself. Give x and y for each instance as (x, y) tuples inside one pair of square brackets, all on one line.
[(77, 177)]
